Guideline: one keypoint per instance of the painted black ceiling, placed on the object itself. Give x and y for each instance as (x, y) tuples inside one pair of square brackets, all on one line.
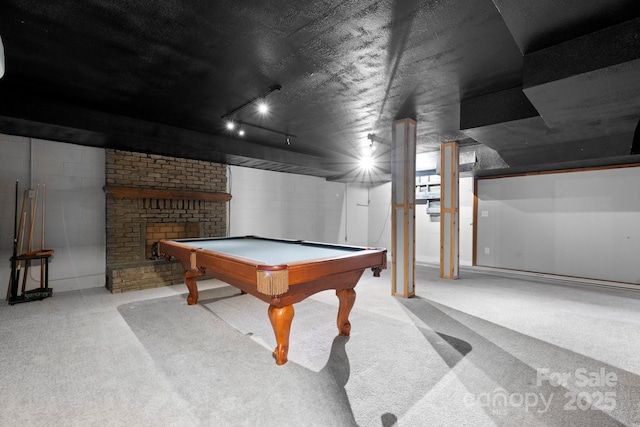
[(528, 85)]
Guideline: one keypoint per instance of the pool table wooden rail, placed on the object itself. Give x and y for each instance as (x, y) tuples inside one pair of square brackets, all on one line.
[(305, 278)]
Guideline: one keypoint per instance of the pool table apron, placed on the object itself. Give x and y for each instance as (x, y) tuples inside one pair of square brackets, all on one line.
[(304, 279)]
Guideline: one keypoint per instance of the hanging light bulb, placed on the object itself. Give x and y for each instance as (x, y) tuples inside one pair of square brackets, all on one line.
[(366, 162), (263, 108)]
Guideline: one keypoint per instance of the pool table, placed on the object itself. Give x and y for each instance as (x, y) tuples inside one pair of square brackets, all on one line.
[(278, 271)]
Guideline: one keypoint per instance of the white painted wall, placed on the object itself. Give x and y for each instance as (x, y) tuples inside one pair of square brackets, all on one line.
[(74, 210), (581, 224), (380, 216), (291, 206), (273, 204), (466, 221), (428, 229), (427, 236)]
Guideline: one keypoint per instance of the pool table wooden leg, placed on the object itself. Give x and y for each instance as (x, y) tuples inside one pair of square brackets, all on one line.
[(190, 278), (347, 298), (281, 321)]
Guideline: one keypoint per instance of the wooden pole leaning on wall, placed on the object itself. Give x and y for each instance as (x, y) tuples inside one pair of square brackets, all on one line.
[(34, 211), (12, 291), (14, 261), (22, 260), (42, 265), (403, 201), (449, 210), (23, 223)]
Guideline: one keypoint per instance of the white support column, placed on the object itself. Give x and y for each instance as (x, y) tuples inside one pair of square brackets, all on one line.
[(449, 210), (403, 199)]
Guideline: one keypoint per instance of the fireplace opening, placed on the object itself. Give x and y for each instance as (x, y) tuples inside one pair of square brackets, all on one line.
[(176, 230)]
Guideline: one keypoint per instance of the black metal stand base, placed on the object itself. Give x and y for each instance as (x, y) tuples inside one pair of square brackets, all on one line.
[(37, 294)]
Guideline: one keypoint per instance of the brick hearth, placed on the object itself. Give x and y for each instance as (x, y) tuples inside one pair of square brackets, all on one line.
[(151, 197)]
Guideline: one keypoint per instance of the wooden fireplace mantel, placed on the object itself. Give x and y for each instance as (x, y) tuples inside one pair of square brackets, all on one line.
[(167, 194)]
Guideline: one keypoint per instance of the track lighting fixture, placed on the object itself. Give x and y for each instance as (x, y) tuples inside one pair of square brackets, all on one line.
[(263, 108), (254, 100), (287, 136), (374, 138)]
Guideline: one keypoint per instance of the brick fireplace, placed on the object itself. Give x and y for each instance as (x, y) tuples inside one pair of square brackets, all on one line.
[(150, 197)]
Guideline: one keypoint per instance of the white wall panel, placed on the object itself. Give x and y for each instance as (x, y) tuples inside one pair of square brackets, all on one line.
[(75, 207), (581, 224), (274, 204)]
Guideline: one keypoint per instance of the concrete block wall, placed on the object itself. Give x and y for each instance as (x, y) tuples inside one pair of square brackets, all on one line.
[(75, 206)]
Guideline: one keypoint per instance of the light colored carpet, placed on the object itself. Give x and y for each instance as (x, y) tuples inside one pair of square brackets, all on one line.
[(469, 352), (218, 354)]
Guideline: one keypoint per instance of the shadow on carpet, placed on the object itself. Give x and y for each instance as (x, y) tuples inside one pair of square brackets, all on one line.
[(218, 356), (563, 388)]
